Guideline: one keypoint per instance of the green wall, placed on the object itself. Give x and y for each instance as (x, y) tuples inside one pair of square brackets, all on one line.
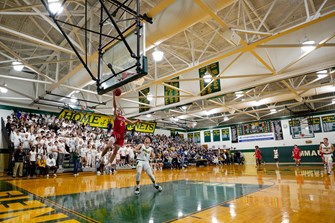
[(309, 154)]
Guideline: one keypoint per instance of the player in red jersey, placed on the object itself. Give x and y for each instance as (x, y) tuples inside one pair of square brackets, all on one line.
[(258, 156), (119, 129), (296, 155)]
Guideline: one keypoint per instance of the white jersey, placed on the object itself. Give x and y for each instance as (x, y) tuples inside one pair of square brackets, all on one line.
[(326, 149), (145, 153), (275, 154)]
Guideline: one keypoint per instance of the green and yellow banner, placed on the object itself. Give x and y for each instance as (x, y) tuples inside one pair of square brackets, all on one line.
[(225, 134), (146, 127), (207, 136), (216, 135), (197, 137), (142, 97), (171, 95), (101, 121), (94, 119), (212, 86)]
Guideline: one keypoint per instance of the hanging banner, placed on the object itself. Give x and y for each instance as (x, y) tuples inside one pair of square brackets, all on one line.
[(234, 134), (212, 86), (216, 135), (278, 130), (315, 124), (197, 137), (190, 137), (171, 95), (225, 134), (142, 94), (146, 127), (207, 136), (328, 123)]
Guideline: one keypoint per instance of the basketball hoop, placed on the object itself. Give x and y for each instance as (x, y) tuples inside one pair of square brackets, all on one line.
[(302, 135)]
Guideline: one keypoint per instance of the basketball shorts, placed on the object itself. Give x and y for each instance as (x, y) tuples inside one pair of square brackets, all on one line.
[(119, 138)]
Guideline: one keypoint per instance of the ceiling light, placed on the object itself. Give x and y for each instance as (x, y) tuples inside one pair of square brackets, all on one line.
[(273, 110), (158, 55), (18, 66), (239, 93), (150, 97), (184, 107), (3, 90), (333, 101), (73, 99), (225, 118), (320, 76), (149, 115), (258, 102), (208, 77), (322, 72), (308, 48), (55, 6)]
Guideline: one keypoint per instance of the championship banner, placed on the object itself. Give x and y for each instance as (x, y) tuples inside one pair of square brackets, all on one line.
[(216, 135), (328, 123), (171, 95), (315, 124), (213, 86), (207, 136), (225, 134), (278, 130), (234, 134), (95, 120), (190, 137), (197, 137), (146, 127), (142, 97)]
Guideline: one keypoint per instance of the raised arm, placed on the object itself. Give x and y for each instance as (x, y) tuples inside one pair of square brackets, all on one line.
[(137, 149), (132, 122), (114, 104)]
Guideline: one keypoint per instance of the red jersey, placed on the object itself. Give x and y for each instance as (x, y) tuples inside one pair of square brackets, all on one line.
[(119, 124), (258, 154), (296, 152)]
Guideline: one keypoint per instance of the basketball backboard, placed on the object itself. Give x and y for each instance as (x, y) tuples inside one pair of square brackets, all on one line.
[(301, 127), (119, 66)]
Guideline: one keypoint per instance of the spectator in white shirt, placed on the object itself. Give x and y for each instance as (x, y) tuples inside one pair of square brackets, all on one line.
[(51, 165), (32, 162)]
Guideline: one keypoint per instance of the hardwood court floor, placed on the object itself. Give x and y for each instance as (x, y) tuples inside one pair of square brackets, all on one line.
[(203, 194)]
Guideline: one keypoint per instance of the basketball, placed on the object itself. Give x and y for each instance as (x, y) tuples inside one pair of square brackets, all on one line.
[(117, 92)]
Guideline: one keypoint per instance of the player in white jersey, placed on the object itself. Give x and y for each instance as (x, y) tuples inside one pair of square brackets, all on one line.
[(144, 152), (276, 156), (327, 150)]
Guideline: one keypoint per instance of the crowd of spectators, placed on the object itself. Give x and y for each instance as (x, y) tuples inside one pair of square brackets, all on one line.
[(42, 142)]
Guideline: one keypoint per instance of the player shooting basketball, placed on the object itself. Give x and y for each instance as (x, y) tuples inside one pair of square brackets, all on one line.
[(119, 129)]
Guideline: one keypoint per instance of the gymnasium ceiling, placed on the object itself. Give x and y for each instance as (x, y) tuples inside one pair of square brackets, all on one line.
[(267, 67)]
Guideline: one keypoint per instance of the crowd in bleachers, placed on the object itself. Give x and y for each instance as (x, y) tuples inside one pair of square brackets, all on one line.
[(41, 142)]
